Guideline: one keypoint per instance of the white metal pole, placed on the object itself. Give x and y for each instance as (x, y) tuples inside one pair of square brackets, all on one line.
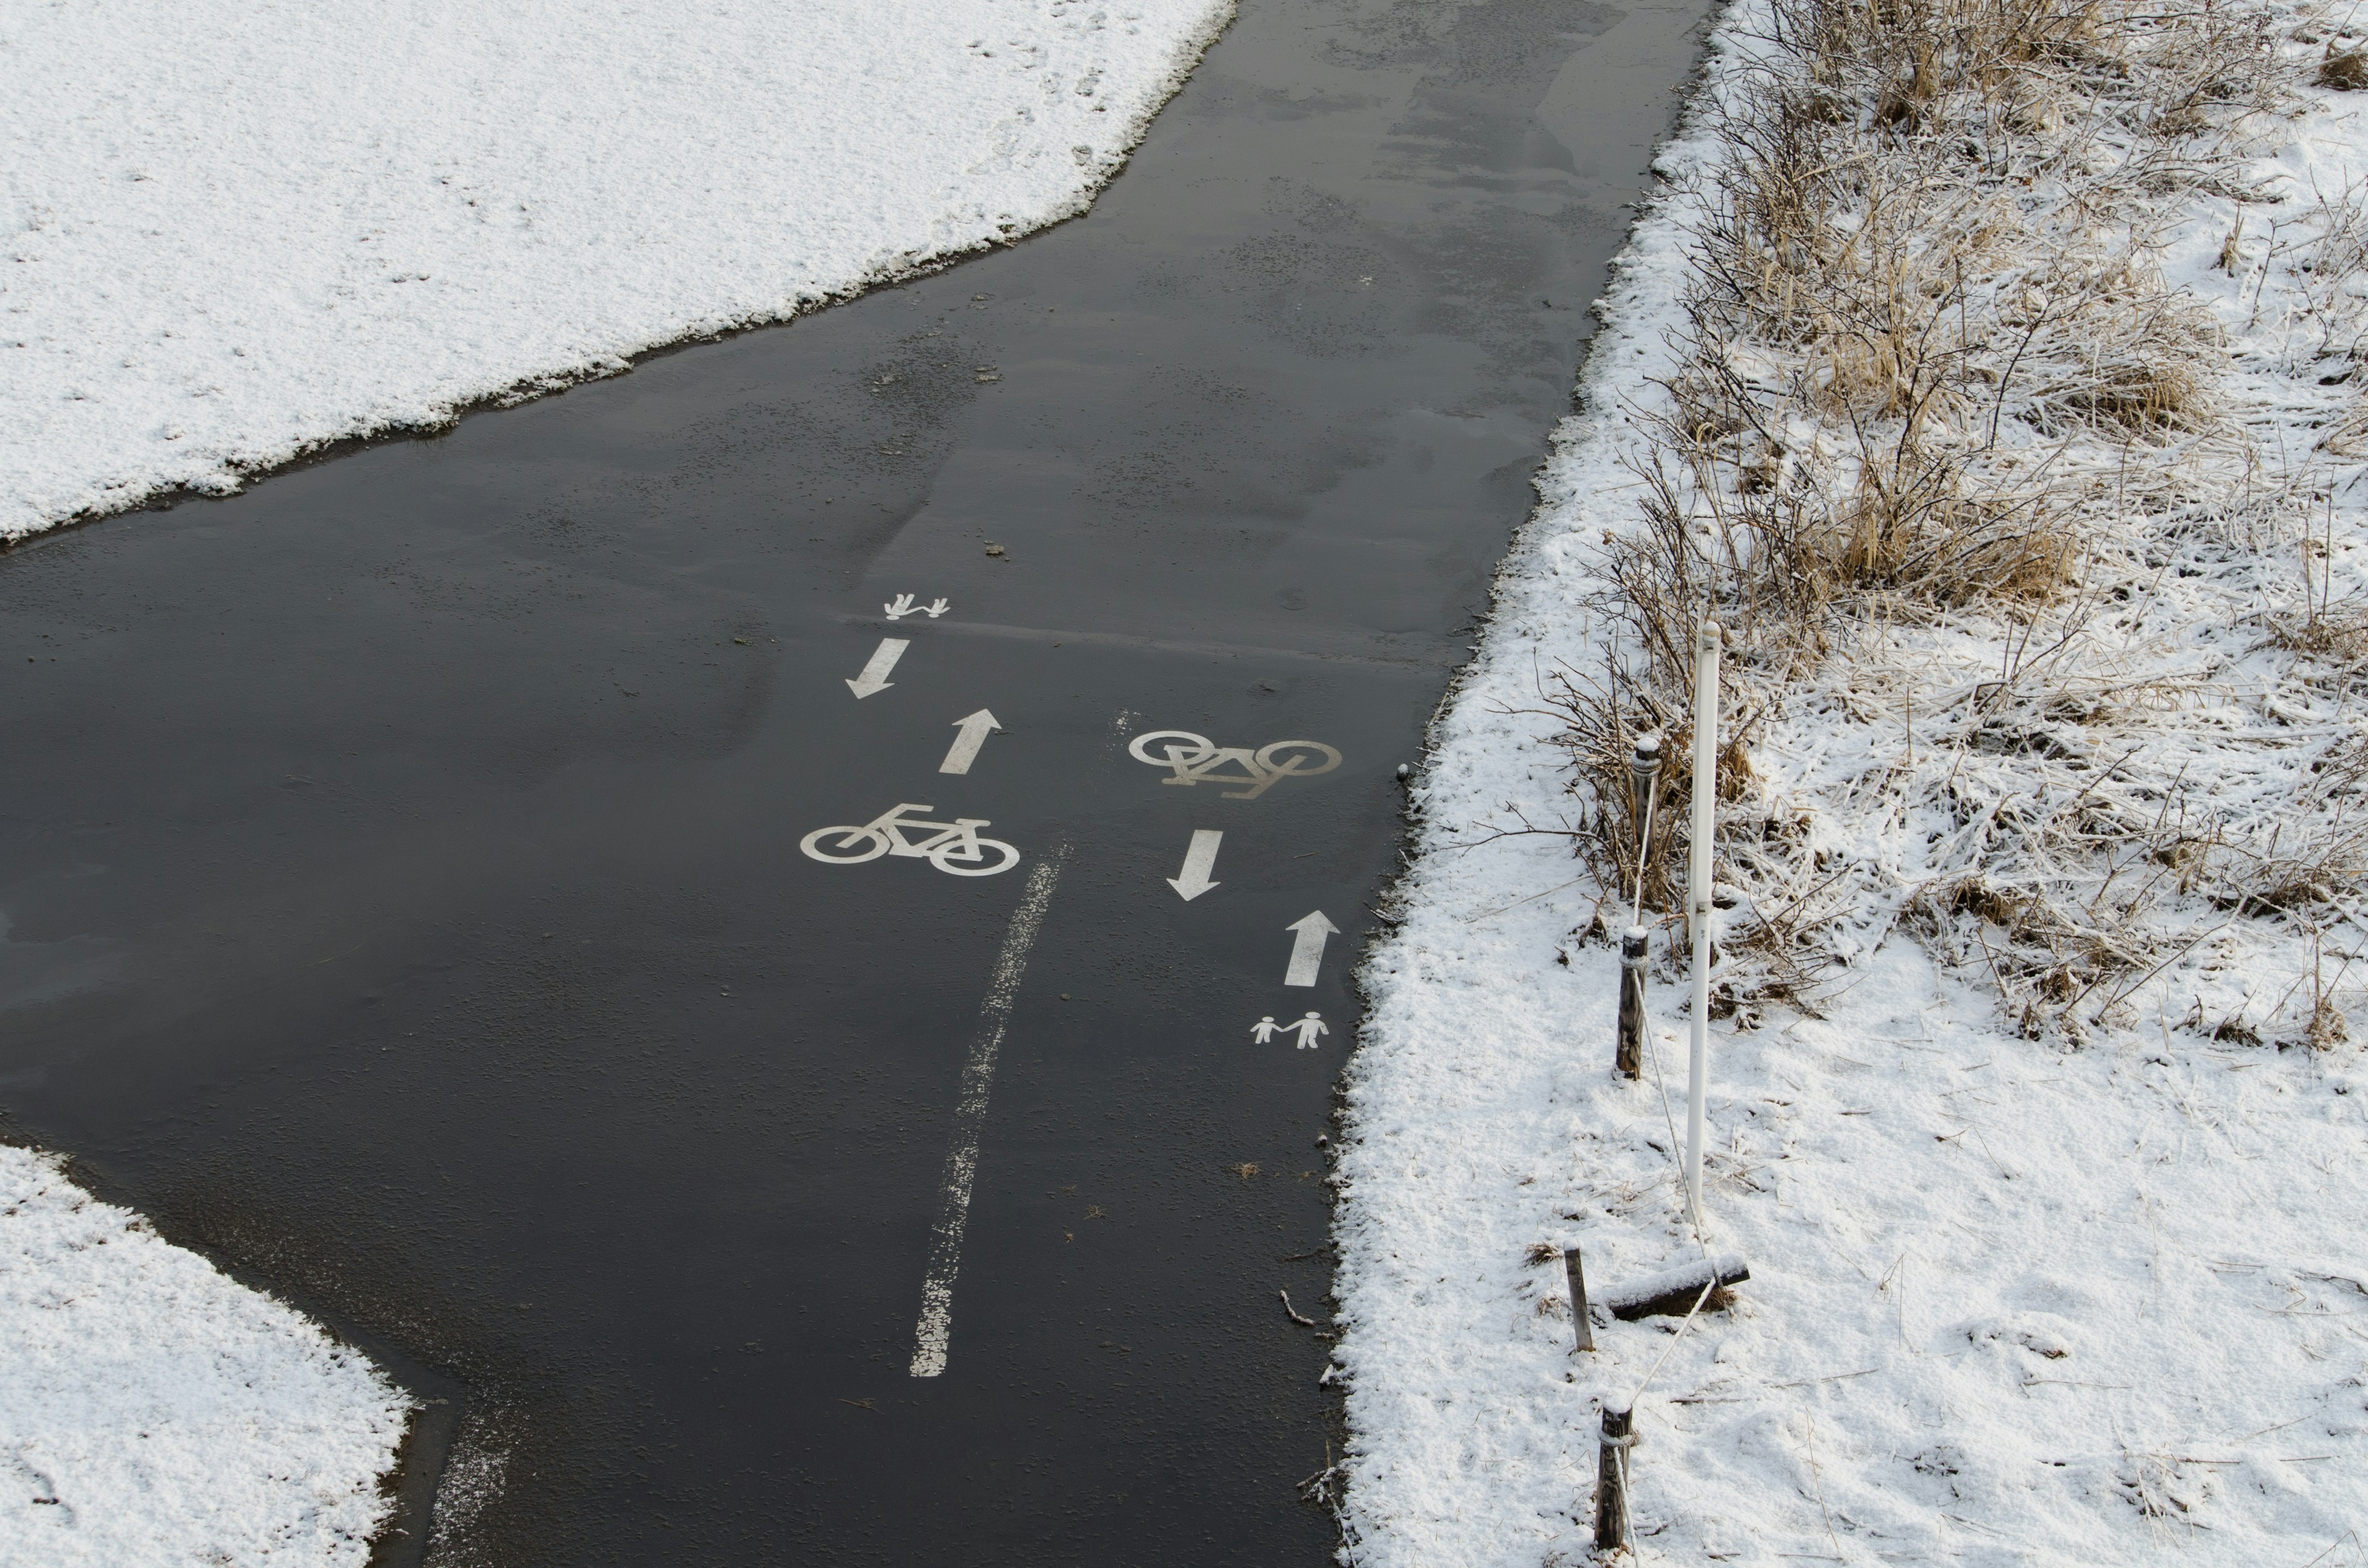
[(1705, 803)]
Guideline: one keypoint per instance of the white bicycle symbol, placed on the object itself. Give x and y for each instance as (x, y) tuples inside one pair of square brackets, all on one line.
[(955, 848), (1196, 757)]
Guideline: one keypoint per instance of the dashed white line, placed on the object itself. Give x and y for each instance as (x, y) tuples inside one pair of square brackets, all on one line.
[(935, 1328)]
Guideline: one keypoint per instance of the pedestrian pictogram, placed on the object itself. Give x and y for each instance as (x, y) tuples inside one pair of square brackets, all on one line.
[(1193, 759), (953, 847), (903, 606), (1307, 1029)]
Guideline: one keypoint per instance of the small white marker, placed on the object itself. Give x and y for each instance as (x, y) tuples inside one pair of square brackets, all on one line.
[(1307, 947), (874, 677), (965, 751), (1198, 860)]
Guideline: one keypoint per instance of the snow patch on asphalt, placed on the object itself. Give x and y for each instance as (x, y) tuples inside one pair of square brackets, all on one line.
[(234, 231), (154, 1410)]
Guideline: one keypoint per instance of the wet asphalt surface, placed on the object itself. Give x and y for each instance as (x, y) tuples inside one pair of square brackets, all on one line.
[(403, 881)]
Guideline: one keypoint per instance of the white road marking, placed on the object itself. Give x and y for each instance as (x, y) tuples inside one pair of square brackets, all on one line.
[(1193, 759), (1307, 947), (953, 847), (1198, 860), (935, 1327), (903, 606), (1126, 716), (965, 751), (874, 677)]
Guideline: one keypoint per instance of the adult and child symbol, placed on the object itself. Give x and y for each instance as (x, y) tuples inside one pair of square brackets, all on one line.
[(1265, 1028)]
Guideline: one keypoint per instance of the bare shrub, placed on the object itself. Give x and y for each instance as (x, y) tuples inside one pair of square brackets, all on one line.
[(1932, 387)]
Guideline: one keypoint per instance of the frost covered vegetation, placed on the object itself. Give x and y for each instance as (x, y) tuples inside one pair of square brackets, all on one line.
[(2014, 429), (1993, 370)]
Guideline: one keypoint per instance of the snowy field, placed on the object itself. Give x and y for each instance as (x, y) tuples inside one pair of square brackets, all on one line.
[(2099, 1297), (154, 1411), (237, 230)]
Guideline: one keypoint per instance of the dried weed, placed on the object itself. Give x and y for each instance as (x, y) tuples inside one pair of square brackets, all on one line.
[(1932, 384)]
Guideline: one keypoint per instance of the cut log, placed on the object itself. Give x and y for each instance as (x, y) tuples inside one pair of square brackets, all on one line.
[(1673, 1291)]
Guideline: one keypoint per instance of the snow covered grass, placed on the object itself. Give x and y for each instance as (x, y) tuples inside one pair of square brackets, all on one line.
[(154, 1411), (1990, 366), (234, 231), (1973, 402), (2007, 1305)]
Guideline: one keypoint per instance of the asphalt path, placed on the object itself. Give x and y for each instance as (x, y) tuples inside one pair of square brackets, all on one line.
[(429, 879)]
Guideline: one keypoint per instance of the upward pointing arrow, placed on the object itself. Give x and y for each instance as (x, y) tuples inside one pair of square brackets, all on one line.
[(1198, 862), (965, 751), (875, 674), (1307, 947)]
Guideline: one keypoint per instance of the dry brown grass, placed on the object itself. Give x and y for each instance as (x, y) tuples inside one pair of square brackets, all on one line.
[(2346, 71), (1930, 369)]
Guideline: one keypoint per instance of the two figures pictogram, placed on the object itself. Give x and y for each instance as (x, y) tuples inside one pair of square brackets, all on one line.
[(1307, 1029)]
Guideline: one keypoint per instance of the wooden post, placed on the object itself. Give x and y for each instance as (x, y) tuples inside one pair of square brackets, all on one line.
[(1628, 1054), (1644, 779), (1578, 1301), (1612, 1481), (1628, 1060), (1644, 767)]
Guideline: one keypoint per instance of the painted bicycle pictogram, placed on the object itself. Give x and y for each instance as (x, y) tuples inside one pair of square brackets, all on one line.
[(953, 847), (1194, 759)]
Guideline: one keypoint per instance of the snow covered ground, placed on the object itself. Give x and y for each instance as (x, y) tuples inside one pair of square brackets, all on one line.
[(2071, 1300), (154, 1410), (234, 231), (237, 230)]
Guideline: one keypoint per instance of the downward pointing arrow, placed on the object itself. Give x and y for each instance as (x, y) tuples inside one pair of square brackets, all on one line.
[(875, 674), (965, 751), (1198, 860), (1307, 947)]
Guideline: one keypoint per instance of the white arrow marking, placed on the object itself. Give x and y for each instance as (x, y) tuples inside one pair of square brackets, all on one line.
[(1198, 862), (965, 751), (875, 674), (1307, 947)]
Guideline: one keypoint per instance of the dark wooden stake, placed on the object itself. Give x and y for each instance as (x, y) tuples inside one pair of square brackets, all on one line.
[(1628, 1061), (1612, 1481), (1578, 1300)]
